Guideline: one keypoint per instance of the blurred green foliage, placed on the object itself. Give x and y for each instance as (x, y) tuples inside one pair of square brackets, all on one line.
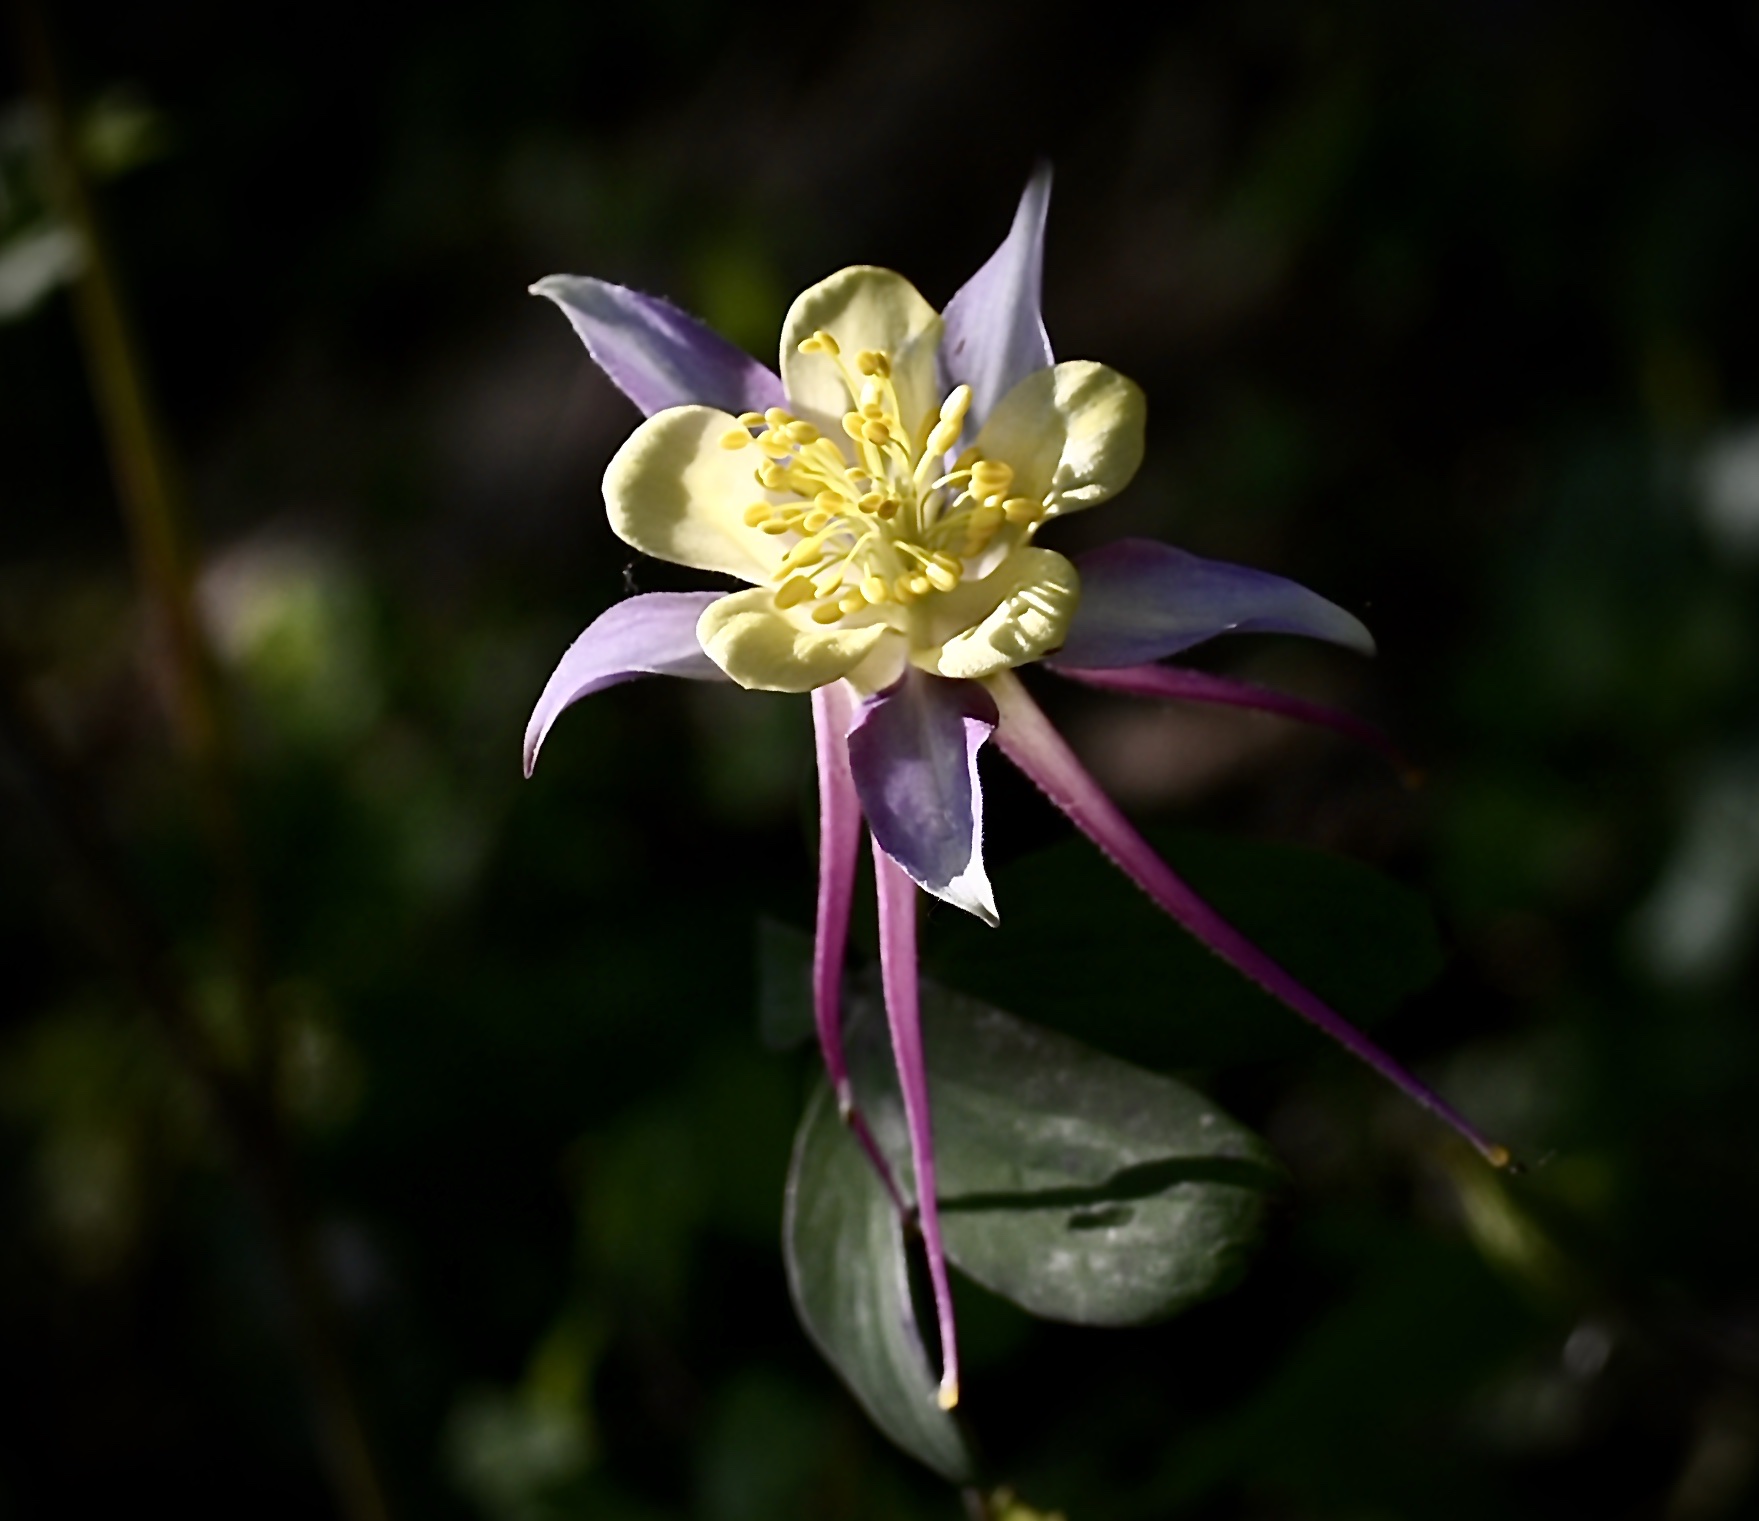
[(1446, 311)]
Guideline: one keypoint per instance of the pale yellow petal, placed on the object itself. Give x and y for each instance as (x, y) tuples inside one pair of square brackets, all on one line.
[(1074, 429), (862, 308), (764, 649), (674, 493), (1018, 612)]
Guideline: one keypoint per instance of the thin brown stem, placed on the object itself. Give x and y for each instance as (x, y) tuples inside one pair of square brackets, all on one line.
[(149, 490), (249, 1123), (244, 1106)]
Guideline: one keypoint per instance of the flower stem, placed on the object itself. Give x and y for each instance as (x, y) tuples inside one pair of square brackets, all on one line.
[(243, 1114), (1027, 739), (897, 927), (149, 490), (839, 844)]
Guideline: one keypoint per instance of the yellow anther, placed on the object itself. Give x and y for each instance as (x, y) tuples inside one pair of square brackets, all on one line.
[(874, 588), (815, 520), (778, 417), (938, 576), (871, 407), (947, 563), (872, 501), (1020, 509), (751, 419), (827, 581), (904, 588), (873, 362), (776, 445), (756, 513), (776, 525), (828, 501), (957, 404), (853, 423), (793, 592), (889, 507), (875, 432), (941, 437), (852, 601), (989, 476), (771, 476), (986, 520), (801, 432), (735, 438), (920, 586), (826, 612)]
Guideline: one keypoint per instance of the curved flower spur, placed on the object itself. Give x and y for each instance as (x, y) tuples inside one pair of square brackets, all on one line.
[(883, 497)]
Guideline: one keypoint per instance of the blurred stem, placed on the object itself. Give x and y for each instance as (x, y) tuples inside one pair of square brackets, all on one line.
[(147, 487), (248, 1122)]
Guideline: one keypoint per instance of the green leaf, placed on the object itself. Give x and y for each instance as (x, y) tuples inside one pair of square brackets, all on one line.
[(1080, 1187), (1082, 950), (847, 1269)]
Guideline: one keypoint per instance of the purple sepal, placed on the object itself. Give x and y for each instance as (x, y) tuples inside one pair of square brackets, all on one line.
[(656, 355), (913, 751), (650, 635), (995, 334), (1142, 601)]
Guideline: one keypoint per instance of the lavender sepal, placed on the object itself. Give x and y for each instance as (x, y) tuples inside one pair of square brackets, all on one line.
[(995, 334), (913, 752), (1142, 601), (657, 355), (650, 635)]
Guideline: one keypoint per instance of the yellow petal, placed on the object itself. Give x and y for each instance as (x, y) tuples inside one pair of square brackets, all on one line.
[(673, 492), (1075, 429), (1018, 612), (862, 308), (764, 649)]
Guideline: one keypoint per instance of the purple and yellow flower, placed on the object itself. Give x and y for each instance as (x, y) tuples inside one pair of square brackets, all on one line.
[(882, 497)]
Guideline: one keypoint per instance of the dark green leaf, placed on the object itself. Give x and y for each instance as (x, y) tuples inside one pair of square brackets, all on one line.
[(1078, 1186), (847, 1269), (1080, 949)]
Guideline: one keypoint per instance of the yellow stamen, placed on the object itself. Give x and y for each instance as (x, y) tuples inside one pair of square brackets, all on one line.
[(757, 512), (874, 588), (826, 612), (735, 438), (1020, 509), (793, 593), (801, 432), (820, 342), (852, 601), (776, 417), (875, 432), (751, 419)]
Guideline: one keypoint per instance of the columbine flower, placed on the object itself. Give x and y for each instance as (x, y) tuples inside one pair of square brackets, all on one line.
[(883, 497)]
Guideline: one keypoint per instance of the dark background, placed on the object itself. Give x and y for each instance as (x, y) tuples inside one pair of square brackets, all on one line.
[(1450, 311)]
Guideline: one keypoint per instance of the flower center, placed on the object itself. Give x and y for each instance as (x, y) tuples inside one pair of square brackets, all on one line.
[(886, 523)]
